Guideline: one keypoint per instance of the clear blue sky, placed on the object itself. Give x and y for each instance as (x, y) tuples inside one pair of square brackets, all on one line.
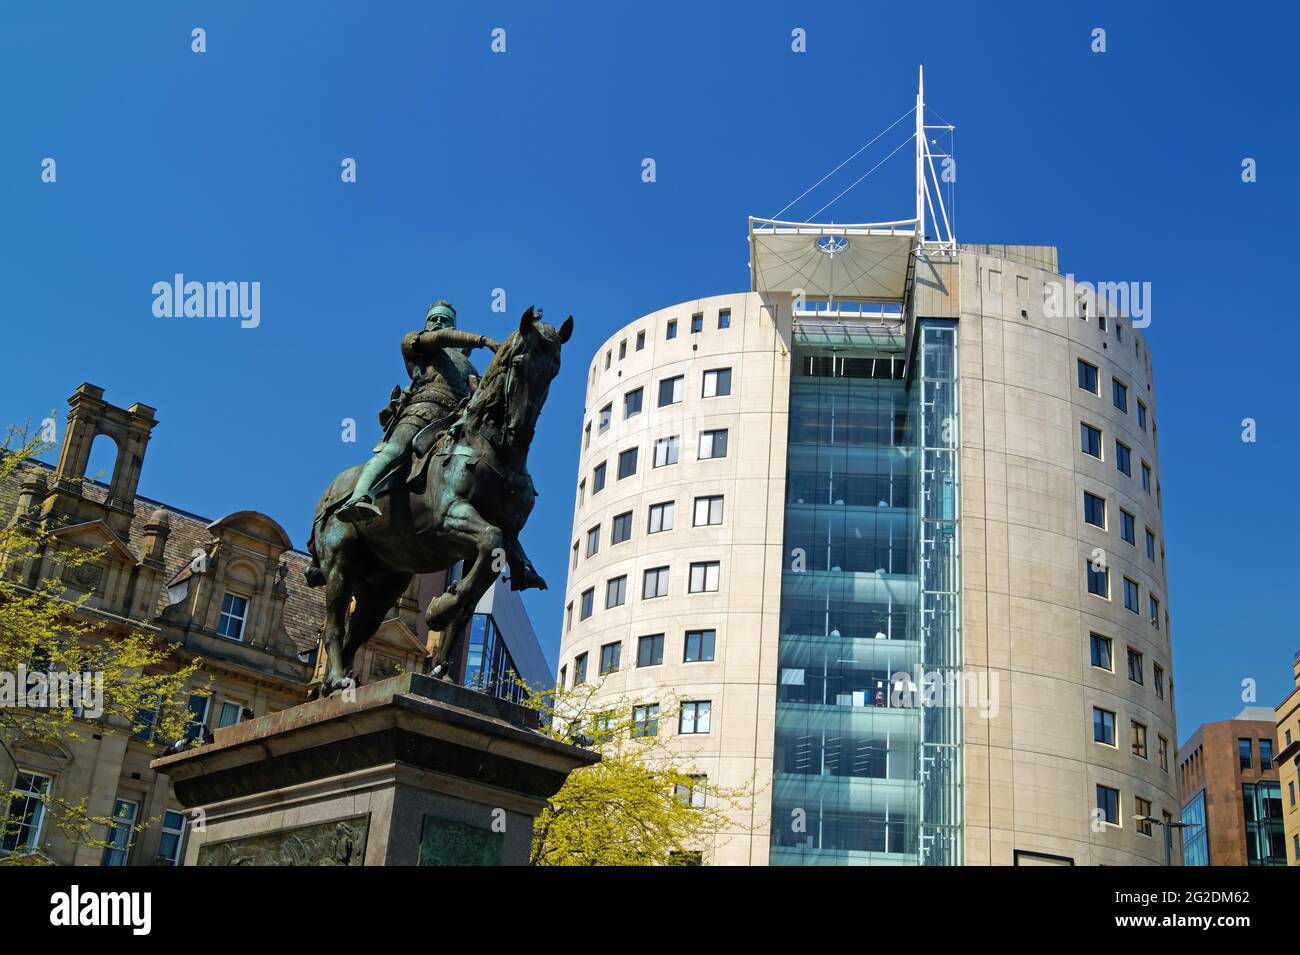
[(522, 171)]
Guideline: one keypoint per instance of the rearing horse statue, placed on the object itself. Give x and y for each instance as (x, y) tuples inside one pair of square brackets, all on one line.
[(465, 498)]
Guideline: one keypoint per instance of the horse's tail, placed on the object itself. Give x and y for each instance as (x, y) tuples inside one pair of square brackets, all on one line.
[(329, 502)]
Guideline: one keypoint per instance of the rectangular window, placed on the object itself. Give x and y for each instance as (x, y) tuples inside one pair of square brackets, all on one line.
[(615, 592), (632, 403), (724, 318), (694, 717), (1244, 753), (1158, 679), (1128, 527), (1103, 726), (1265, 754), (580, 669), (568, 622), (121, 835), (650, 650), (1123, 458), (661, 517), (697, 323), (670, 390), (1146, 477), (608, 356), (1098, 580), (598, 478), (564, 675), (713, 444), (708, 510), (603, 418), (654, 583), (1162, 751), (1089, 440), (593, 540), (586, 603), (609, 654), (1131, 597), (173, 837), (691, 794), (704, 577), (666, 451), (1119, 394), (622, 349), (645, 720), (1088, 377), (231, 713), (1094, 510), (1153, 605), (586, 436), (26, 817), (1142, 415), (575, 554), (1138, 739), (1108, 804), (671, 331), (582, 490), (1151, 546), (1142, 808), (627, 463), (699, 646), (1135, 666), (621, 528), (640, 340), (717, 382), (234, 612), (1101, 652)]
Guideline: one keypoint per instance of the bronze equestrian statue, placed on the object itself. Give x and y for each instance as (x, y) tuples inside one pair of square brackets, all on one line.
[(449, 482)]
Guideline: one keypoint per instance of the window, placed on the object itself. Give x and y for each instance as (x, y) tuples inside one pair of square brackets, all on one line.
[(1098, 580), (1088, 377), (640, 340), (654, 583), (234, 611), (564, 675), (568, 622), (1138, 739), (622, 349), (1119, 394), (586, 603), (621, 528), (1151, 546), (704, 577), (666, 451), (699, 646), (575, 554), (1101, 322), (1101, 652), (1265, 754), (582, 490), (1103, 726), (694, 717), (713, 444), (1142, 415), (609, 654), (670, 390), (26, 816), (1135, 666), (671, 332), (1244, 753), (1158, 679), (603, 419), (1108, 804), (173, 837), (645, 720), (724, 318), (1094, 510), (1153, 605), (1123, 458), (632, 403), (608, 355), (1162, 750), (1142, 807), (232, 712), (691, 794), (1146, 477), (650, 650), (697, 323), (580, 669), (593, 540), (661, 517), (1127, 527), (627, 463), (1130, 595), (586, 436), (122, 834), (717, 382), (598, 478), (708, 510), (198, 718), (145, 719), (1089, 440), (615, 592)]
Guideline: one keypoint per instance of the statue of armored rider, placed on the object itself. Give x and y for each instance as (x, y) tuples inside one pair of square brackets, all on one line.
[(441, 379)]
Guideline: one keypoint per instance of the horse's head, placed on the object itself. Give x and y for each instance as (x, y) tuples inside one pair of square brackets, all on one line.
[(516, 383)]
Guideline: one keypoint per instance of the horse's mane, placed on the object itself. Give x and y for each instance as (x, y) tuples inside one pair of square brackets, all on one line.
[(489, 397)]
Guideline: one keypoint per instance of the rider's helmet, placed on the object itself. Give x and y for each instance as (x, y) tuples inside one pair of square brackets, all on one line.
[(440, 315)]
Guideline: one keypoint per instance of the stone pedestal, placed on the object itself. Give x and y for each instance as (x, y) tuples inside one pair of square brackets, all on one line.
[(414, 771)]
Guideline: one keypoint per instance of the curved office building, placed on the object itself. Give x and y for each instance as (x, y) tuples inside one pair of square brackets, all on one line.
[(893, 560)]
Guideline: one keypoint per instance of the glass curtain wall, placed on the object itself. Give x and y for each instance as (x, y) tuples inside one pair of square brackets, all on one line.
[(488, 664)]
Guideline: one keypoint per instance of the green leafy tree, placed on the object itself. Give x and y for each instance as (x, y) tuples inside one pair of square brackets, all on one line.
[(134, 682)]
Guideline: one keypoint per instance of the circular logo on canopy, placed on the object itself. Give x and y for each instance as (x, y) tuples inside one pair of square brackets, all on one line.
[(831, 244)]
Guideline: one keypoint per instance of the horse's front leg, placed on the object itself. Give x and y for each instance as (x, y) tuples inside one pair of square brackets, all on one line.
[(338, 594), (448, 611)]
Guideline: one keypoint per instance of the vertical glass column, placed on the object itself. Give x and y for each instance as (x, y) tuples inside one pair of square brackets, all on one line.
[(938, 391)]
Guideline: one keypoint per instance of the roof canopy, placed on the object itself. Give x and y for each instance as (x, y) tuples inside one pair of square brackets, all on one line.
[(864, 263)]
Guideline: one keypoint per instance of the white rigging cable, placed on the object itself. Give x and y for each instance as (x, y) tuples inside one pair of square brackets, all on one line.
[(909, 139)]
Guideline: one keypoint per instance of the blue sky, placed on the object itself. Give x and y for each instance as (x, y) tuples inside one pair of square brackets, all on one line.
[(522, 170)]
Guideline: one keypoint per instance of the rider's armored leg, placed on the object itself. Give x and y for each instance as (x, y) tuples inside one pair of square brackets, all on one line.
[(360, 507)]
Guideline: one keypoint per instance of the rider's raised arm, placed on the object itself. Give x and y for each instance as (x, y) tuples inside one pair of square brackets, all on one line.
[(426, 342)]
